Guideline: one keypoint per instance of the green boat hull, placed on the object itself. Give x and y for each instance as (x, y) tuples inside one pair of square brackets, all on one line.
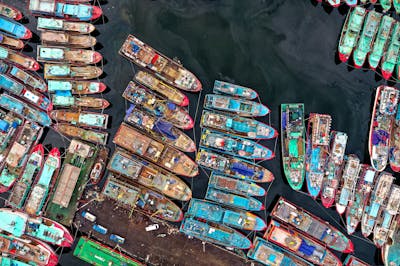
[(381, 41), (396, 4), (386, 4), (390, 58)]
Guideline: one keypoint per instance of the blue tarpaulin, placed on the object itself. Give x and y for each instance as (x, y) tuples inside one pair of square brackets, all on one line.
[(165, 128), (379, 136), (242, 169)]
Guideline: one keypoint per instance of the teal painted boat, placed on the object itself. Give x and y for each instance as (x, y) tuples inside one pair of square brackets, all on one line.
[(10, 126), (237, 126), (76, 86), (222, 87), (27, 78), (235, 201), (270, 254), (376, 202), (354, 261), (233, 167), (77, 57), (385, 4), (293, 143), (38, 195), (312, 225), (14, 29), (390, 57), (214, 233), (236, 186), (23, 186), (68, 72), (367, 37), (81, 118), (75, 102), (235, 105), (235, 146), (234, 218), (30, 113), (351, 30), (9, 261), (396, 4), (160, 129), (18, 59), (37, 99), (55, 24), (381, 40), (19, 223), (18, 155)]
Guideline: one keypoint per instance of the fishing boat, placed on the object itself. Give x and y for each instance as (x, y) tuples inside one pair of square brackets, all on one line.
[(385, 107), (147, 174), (212, 212), (293, 143), (18, 59), (235, 146), (10, 126), (378, 198), (11, 42), (10, 12), (6, 260), (33, 81), (27, 249), (234, 201), (348, 183), (76, 86), (386, 217), (64, 55), (394, 150), (222, 87), (381, 40), (270, 254), (19, 223), (170, 71), (90, 135), (59, 100), (334, 3), (14, 29), (367, 37), (160, 129), (390, 251), (23, 186), (235, 105), (167, 91), (67, 72), (236, 186), (390, 56), (155, 105), (96, 253), (237, 126), (67, 39), (145, 200), (385, 4), (351, 30), (317, 150), (150, 149), (67, 11), (333, 168), (233, 167), (16, 159), (351, 3), (45, 181), (99, 167), (81, 118), (354, 261), (300, 244), (36, 98), (64, 26), (311, 225), (30, 113), (362, 193), (215, 233)]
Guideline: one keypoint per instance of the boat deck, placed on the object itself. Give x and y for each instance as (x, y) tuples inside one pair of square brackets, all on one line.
[(165, 246)]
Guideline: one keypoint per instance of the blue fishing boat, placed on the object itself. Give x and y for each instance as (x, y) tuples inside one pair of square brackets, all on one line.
[(14, 29), (30, 113), (236, 201), (317, 150), (31, 96), (233, 167), (240, 187), (270, 254), (235, 105), (234, 218), (235, 146), (27, 78), (68, 11), (214, 233), (237, 126), (234, 90), (10, 125), (10, 261), (391, 251)]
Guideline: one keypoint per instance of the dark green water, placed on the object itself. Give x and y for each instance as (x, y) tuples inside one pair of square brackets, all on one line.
[(283, 48)]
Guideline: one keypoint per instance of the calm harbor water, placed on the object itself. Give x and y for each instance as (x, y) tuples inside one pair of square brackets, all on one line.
[(286, 49)]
